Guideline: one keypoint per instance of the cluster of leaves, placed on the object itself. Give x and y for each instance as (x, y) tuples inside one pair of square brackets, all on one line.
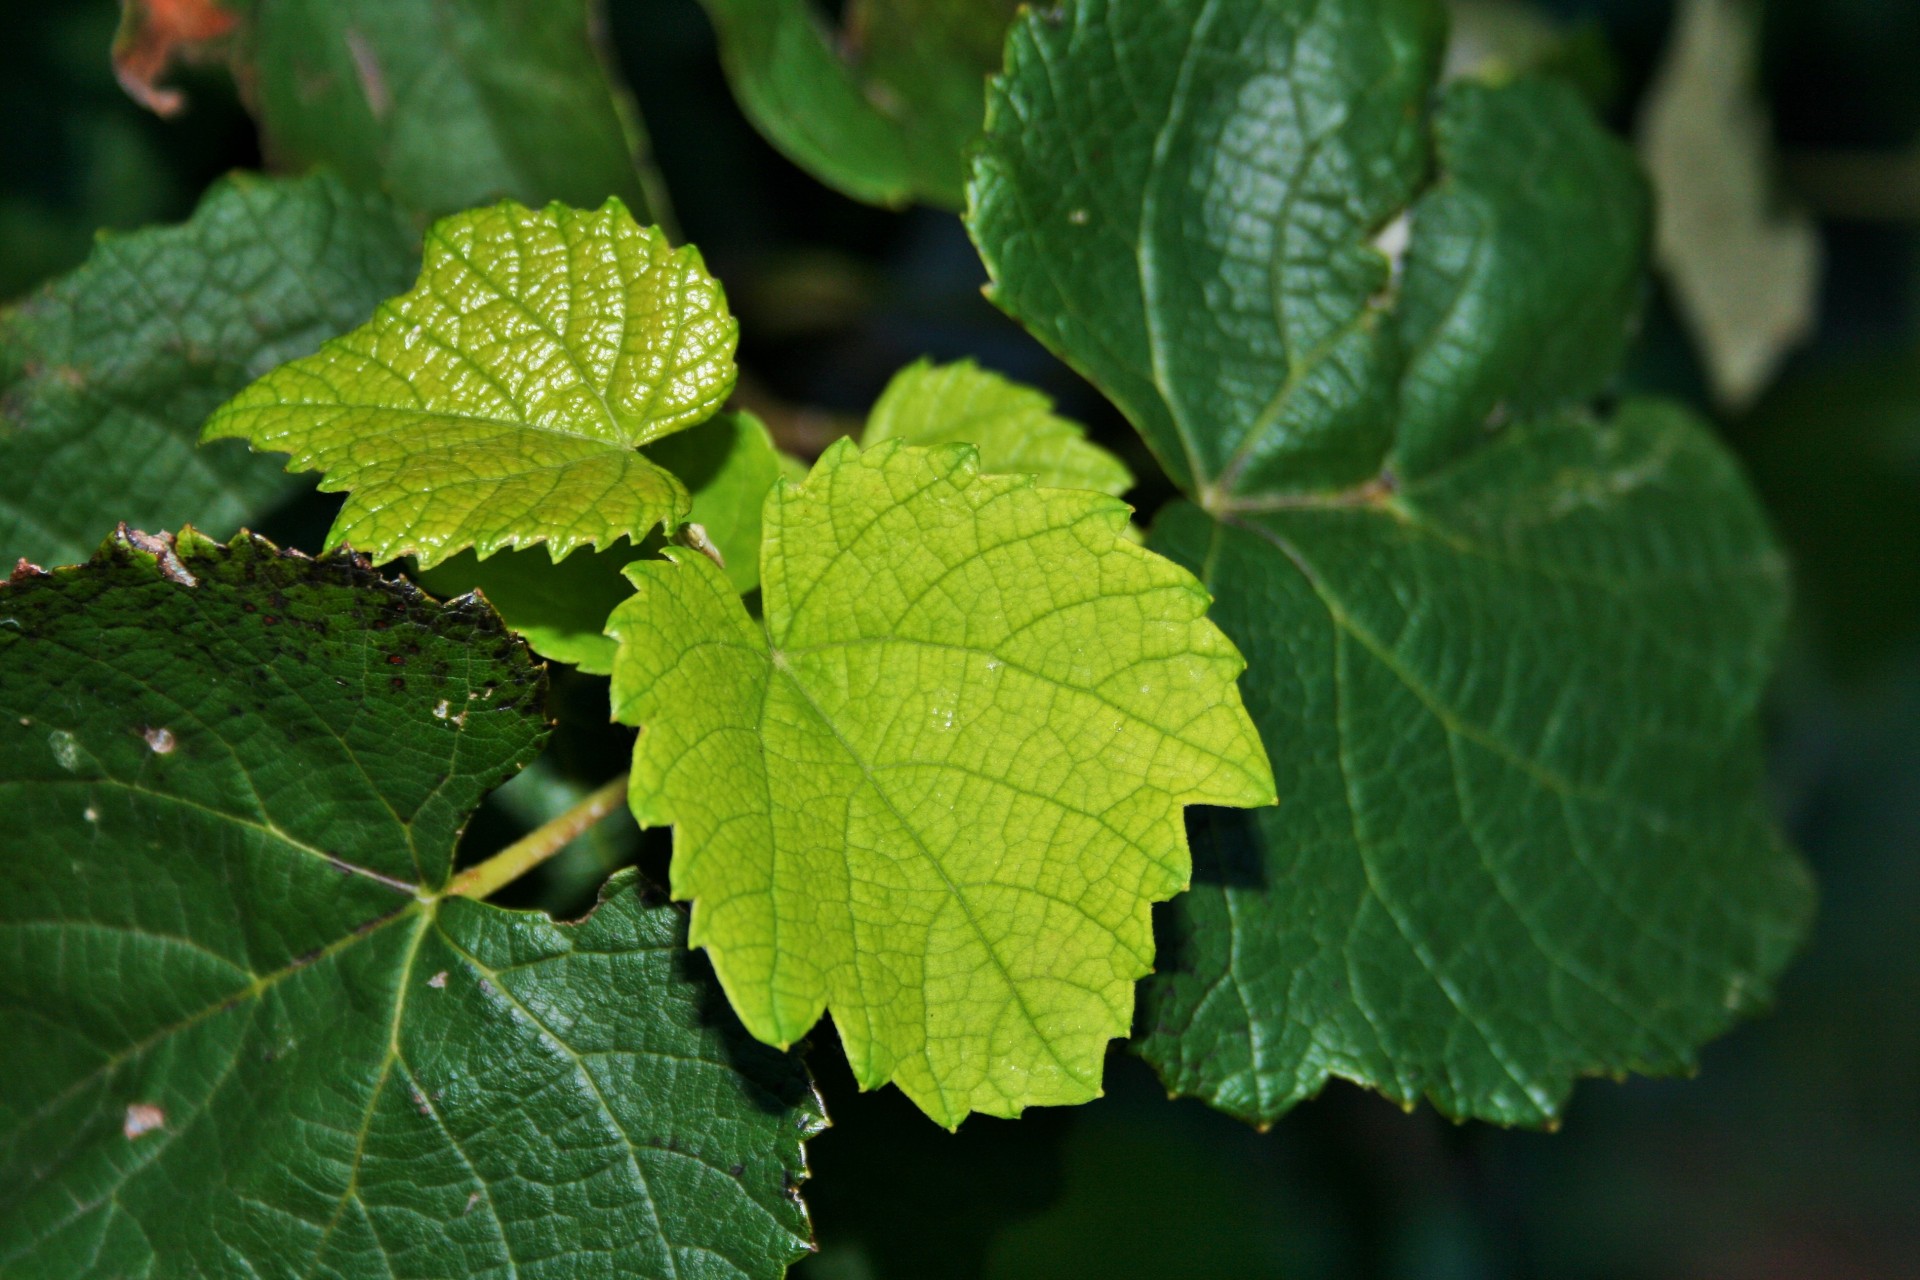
[(926, 716)]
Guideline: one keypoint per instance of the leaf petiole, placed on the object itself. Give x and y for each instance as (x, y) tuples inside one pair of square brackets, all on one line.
[(529, 851)]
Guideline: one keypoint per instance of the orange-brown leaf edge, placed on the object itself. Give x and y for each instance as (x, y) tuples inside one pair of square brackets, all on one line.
[(154, 36)]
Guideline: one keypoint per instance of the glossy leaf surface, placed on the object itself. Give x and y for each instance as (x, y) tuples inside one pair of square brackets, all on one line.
[(884, 110), (1505, 655), (501, 402)]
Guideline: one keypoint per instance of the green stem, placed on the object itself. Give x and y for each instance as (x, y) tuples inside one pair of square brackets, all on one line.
[(534, 848)]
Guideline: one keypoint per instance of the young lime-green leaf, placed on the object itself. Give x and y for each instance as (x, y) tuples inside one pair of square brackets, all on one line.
[(730, 465), (885, 110), (1506, 656), (938, 790), (1013, 426), (107, 373), (728, 462), (558, 608), (501, 402), (256, 1039)]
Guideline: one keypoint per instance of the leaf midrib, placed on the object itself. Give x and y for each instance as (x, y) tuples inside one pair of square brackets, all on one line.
[(239, 997), (777, 663)]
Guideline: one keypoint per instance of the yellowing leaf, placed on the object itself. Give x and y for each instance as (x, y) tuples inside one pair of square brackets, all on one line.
[(938, 790), (502, 401)]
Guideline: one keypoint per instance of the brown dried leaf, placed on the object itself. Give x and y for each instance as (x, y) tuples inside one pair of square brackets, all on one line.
[(157, 35)]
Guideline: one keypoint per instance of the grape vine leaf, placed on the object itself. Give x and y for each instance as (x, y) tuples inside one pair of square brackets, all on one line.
[(728, 463), (884, 110), (938, 789), (1013, 426), (107, 373), (1506, 654), (441, 106), (500, 403), (258, 1038)]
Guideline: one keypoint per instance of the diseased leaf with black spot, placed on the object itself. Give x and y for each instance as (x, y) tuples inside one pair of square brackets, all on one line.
[(256, 1038)]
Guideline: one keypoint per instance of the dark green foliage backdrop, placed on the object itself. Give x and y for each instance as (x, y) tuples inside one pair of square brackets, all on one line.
[(1796, 1152)]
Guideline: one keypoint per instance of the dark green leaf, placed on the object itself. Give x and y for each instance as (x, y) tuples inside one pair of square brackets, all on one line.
[(107, 374), (885, 110), (445, 105), (258, 1041), (1521, 835), (1524, 272), (1505, 656)]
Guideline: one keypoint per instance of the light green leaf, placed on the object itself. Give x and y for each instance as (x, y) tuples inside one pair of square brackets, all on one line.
[(1506, 656), (558, 608), (1013, 426), (884, 110), (500, 403), (107, 374), (729, 463), (442, 106), (257, 1038), (938, 790)]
